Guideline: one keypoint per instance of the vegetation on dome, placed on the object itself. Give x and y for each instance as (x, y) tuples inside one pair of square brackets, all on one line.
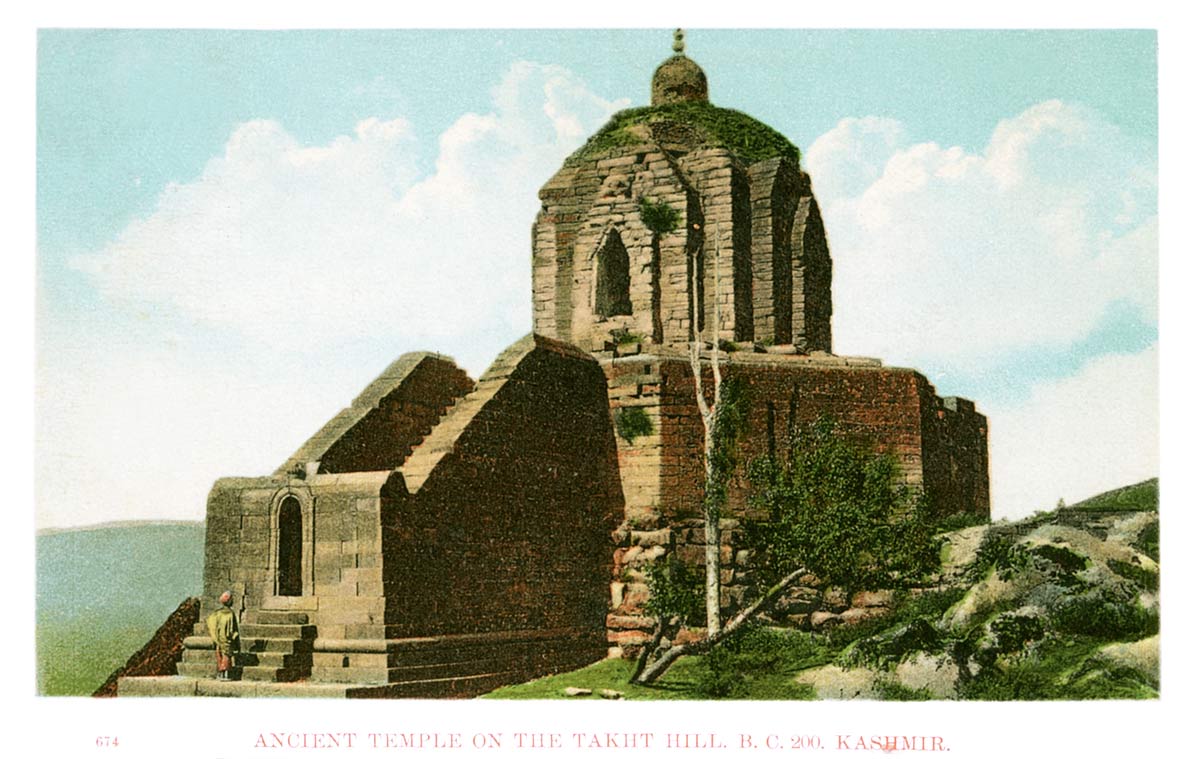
[(746, 137)]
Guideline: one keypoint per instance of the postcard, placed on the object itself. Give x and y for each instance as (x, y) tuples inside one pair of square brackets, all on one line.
[(769, 390)]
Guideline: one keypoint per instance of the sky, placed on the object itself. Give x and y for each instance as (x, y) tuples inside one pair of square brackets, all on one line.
[(237, 231)]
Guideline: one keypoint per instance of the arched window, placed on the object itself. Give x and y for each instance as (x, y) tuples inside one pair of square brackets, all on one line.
[(290, 581), (612, 278)]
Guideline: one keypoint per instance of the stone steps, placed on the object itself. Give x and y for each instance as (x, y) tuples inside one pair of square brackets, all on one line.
[(274, 617), (301, 632), (442, 439), (275, 674), (276, 646)]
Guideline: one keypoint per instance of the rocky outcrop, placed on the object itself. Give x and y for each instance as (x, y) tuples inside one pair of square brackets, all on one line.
[(1061, 605)]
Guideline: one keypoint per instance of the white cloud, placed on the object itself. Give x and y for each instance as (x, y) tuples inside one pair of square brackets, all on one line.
[(947, 259), (312, 244), (1077, 436), (298, 247)]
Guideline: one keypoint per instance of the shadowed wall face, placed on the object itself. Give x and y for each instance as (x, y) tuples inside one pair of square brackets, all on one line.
[(511, 529)]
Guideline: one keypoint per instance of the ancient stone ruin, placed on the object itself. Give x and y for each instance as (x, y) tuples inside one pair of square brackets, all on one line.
[(443, 536)]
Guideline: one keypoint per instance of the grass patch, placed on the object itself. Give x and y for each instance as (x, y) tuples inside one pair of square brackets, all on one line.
[(1140, 497), (76, 659), (759, 665), (744, 136), (887, 690)]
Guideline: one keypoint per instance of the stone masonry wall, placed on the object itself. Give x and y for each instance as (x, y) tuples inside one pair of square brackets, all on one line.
[(757, 224), (956, 456), (341, 561), (812, 276), (506, 522)]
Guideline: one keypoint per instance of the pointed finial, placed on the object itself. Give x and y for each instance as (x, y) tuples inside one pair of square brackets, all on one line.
[(677, 45)]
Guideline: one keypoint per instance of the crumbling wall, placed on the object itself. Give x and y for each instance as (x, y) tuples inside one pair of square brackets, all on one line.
[(506, 523), (955, 444)]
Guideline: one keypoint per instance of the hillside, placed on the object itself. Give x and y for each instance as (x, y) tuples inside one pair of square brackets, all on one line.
[(103, 591), (1062, 605)]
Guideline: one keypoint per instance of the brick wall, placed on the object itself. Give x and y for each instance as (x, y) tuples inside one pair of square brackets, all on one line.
[(940, 445), (510, 528)]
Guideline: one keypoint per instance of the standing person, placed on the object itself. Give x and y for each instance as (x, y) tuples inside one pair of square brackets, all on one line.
[(223, 629)]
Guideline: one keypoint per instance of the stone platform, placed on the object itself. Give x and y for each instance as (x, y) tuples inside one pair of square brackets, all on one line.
[(177, 685)]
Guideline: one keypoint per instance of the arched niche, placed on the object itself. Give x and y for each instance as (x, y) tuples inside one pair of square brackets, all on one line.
[(612, 278), (291, 545)]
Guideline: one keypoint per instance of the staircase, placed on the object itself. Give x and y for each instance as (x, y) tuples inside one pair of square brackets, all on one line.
[(276, 647)]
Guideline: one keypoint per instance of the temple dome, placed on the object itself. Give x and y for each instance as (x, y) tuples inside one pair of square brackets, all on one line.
[(678, 80)]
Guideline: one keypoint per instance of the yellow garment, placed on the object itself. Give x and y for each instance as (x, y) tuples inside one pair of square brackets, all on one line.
[(223, 629)]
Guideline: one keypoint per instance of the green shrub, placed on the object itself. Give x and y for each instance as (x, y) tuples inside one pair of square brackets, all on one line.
[(1144, 578), (1014, 631), (632, 422), (676, 590), (1000, 551), (960, 521), (1147, 540), (1103, 614), (888, 690), (931, 604), (1063, 558), (890, 646), (723, 676), (659, 216), (834, 506), (625, 337)]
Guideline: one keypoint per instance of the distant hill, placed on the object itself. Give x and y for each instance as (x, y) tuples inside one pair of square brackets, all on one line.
[(102, 591)]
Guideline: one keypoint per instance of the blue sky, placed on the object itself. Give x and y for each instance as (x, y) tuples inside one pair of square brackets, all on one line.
[(237, 231)]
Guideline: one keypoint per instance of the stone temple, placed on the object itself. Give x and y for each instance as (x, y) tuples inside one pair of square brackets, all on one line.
[(442, 535)]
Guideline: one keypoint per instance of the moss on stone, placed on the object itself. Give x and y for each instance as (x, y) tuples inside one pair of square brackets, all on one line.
[(746, 137)]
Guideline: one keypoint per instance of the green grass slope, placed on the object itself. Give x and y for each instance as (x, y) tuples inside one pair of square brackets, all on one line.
[(103, 591)]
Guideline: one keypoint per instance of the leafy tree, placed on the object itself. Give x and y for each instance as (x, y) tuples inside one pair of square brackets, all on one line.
[(834, 509)]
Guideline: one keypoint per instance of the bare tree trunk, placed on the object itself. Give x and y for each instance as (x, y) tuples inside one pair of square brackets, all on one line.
[(665, 629), (712, 515), (655, 670)]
